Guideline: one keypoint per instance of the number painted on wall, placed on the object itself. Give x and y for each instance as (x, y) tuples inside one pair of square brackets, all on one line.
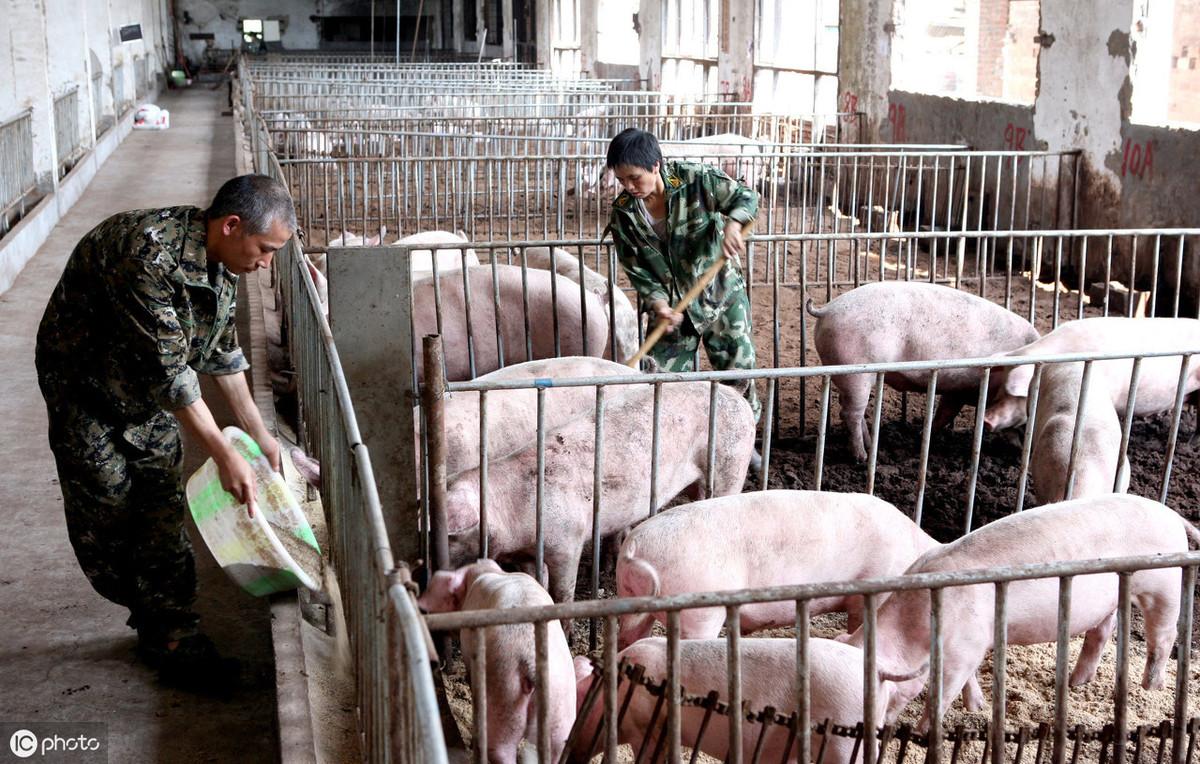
[(896, 122), (850, 106), (1138, 159), (1014, 137)]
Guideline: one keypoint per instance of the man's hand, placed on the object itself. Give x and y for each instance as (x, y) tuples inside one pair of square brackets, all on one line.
[(733, 244), (237, 477), (270, 448), (661, 309)]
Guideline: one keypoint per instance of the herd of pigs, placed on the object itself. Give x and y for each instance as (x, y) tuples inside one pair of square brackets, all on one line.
[(775, 537)]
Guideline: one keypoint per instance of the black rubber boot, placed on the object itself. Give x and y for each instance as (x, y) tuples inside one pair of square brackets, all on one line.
[(193, 663)]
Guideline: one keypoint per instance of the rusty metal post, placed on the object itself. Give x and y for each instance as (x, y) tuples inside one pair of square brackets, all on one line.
[(433, 401)]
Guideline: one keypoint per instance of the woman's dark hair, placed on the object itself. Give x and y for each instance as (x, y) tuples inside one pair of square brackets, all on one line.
[(259, 200), (634, 147)]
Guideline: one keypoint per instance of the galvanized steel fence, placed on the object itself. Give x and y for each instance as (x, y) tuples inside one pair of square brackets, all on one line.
[(1058, 741), (18, 178), (398, 714), (67, 134)]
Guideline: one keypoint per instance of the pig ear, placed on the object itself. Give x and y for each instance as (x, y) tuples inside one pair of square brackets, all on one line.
[(453, 582), (1018, 381), (462, 510), (583, 668)]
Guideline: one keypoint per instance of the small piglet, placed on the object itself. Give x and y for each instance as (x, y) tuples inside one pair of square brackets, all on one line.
[(1009, 387), (768, 679), (1082, 529), (511, 661), (1096, 467), (765, 538), (891, 321)]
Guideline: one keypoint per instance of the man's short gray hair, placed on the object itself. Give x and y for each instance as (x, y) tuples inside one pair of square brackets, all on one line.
[(259, 200)]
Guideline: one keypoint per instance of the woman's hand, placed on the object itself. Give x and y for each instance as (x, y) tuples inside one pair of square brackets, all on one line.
[(733, 244), (662, 310)]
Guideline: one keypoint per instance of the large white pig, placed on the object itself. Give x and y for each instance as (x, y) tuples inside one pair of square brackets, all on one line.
[(893, 321), (625, 318), (766, 538), (448, 258), (512, 414), (768, 679), (1009, 388), (576, 336), (624, 485), (511, 662), (1096, 466), (1115, 525), (738, 157)]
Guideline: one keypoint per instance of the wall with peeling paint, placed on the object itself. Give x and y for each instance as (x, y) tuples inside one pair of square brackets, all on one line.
[(1131, 175)]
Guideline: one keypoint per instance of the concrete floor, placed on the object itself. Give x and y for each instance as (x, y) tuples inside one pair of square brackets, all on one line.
[(65, 652)]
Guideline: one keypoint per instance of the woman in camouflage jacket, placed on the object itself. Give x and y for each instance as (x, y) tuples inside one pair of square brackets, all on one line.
[(670, 223)]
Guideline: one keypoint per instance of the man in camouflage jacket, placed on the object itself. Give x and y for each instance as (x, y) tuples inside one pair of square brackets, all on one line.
[(670, 224), (147, 301)]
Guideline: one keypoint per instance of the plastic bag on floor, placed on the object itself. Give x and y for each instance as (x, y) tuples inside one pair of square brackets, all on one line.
[(150, 117)]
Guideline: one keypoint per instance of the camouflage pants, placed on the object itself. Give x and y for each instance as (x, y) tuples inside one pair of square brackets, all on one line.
[(125, 508), (728, 342)]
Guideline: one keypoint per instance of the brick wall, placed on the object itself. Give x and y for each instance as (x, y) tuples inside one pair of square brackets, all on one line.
[(1020, 50), (993, 26)]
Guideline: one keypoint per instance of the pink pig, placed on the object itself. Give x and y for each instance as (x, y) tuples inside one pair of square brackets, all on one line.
[(892, 321), (511, 674), (844, 537), (768, 679), (1009, 386), (1103, 526)]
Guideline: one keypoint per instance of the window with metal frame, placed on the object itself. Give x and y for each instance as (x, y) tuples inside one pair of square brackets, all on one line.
[(690, 29), (796, 55)]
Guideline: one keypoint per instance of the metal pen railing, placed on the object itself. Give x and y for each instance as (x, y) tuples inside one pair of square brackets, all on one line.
[(539, 196), (18, 178), (669, 729), (398, 713), (67, 134)]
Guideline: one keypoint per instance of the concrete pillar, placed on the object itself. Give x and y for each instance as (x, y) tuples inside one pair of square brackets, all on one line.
[(370, 299), (456, 24), (544, 32), (506, 13), (735, 51), (589, 35), (865, 62), (480, 27), (650, 32)]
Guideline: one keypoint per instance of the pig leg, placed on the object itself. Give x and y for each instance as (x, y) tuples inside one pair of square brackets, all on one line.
[(948, 407), (564, 570), (1094, 642), (1161, 611), (506, 724), (972, 694), (956, 674), (902, 694), (854, 390)]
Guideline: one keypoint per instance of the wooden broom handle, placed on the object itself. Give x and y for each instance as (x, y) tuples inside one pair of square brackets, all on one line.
[(665, 323)]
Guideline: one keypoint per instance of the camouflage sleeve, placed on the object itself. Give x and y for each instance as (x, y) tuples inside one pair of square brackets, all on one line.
[(648, 287), (148, 334), (227, 356), (734, 200)]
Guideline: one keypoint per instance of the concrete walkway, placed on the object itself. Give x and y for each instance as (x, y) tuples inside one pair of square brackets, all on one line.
[(65, 652)]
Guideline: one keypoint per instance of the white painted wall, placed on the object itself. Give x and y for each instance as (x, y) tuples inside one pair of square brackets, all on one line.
[(221, 17), (45, 47)]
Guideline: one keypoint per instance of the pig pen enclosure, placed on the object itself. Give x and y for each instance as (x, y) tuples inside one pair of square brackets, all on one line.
[(813, 244)]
